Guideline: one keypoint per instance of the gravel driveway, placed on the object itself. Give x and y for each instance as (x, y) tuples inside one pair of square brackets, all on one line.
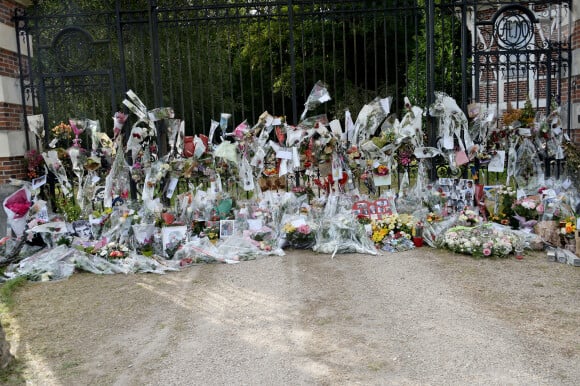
[(419, 317)]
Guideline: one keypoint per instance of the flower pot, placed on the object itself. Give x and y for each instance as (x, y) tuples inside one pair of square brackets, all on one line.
[(418, 241)]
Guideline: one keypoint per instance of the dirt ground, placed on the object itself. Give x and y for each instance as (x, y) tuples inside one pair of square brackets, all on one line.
[(419, 317)]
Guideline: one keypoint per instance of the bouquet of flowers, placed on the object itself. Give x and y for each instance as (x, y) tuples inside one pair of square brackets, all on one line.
[(144, 237), (212, 232), (342, 233), (300, 236), (469, 217), (114, 251), (528, 207), (527, 211), (481, 241), (568, 228), (381, 170), (34, 161), (62, 133), (501, 209), (433, 217), (393, 232), (303, 190)]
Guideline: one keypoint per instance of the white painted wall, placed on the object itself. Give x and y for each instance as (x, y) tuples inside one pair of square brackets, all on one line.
[(12, 143)]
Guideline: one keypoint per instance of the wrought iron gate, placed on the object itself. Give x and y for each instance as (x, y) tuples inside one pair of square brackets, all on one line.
[(207, 57), (521, 52)]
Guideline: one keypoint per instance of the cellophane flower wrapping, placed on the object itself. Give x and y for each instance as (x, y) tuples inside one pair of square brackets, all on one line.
[(265, 239), (528, 171), (119, 226), (117, 181), (434, 230), (56, 167), (231, 250), (143, 236), (342, 233), (298, 232), (59, 263), (16, 207)]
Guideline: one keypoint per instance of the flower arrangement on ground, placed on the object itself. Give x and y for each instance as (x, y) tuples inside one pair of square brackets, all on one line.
[(212, 232), (469, 217), (393, 232), (480, 241), (299, 236), (527, 211), (114, 251), (568, 228), (501, 209), (433, 217), (363, 219)]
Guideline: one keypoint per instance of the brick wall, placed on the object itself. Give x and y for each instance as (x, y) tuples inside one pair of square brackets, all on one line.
[(8, 63), (7, 8), (12, 167), (11, 117)]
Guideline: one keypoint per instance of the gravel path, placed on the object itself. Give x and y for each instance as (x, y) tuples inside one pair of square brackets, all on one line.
[(418, 317)]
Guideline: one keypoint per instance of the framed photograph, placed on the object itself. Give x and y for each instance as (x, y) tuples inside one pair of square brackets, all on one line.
[(227, 228)]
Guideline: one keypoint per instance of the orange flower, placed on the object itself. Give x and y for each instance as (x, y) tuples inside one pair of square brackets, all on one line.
[(382, 170)]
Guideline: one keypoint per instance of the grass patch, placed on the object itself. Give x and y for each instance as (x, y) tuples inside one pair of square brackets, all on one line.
[(7, 291), (13, 374), (70, 365), (375, 366)]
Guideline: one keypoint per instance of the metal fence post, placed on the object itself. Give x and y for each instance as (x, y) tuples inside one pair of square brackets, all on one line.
[(430, 81)]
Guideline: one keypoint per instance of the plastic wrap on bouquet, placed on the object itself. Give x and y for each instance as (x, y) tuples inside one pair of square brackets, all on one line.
[(173, 129), (56, 167), (36, 125), (227, 150), (137, 263), (153, 177), (201, 250), (318, 95), (143, 238), (342, 234), (263, 237), (99, 265), (280, 205), (432, 231), (332, 205), (16, 207), (119, 227), (298, 232), (46, 265), (368, 121), (117, 181), (77, 157), (528, 171), (119, 120)]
